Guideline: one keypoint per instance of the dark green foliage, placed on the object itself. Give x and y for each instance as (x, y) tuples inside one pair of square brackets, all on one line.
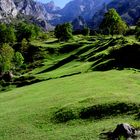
[(131, 31), (64, 115), (113, 23), (138, 30), (27, 31), (9, 60), (23, 47), (86, 31), (7, 34), (25, 80), (63, 32)]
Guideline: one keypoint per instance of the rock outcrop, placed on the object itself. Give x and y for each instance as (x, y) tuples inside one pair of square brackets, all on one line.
[(7, 9)]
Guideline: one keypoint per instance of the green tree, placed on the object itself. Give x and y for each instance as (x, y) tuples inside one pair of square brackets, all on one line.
[(113, 23), (9, 60), (6, 58), (18, 59), (7, 34), (10, 35), (27, 31), (63, 32)]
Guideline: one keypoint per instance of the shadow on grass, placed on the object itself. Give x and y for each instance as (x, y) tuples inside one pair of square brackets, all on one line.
[(99, 111)]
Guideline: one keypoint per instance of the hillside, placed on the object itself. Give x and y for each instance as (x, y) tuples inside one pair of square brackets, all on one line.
[(85, 54), (73, 101), (29, 112), (68, 84)]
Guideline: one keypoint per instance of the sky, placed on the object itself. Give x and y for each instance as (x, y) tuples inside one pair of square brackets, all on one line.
[(60, 3)]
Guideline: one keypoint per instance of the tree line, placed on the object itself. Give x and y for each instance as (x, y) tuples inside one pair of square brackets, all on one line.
[(15, 35)]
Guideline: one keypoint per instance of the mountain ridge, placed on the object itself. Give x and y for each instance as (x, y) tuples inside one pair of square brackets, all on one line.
[(49, 15)]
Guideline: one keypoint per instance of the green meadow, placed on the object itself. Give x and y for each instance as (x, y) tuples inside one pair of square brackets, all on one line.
[(75, 99), (30, 112)]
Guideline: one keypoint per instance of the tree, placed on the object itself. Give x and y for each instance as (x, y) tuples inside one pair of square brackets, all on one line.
[(27, 31), (7, 34), (9, 59), (6, 58), (113, 23), (11, 37), (18, 59), (63, 32)]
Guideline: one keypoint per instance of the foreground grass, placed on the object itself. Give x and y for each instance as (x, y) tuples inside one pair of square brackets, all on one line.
[(27, 112)]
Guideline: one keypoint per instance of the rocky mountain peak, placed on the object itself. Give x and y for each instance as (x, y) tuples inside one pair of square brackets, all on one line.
[(7, 9), (51, 7), (84, 8)]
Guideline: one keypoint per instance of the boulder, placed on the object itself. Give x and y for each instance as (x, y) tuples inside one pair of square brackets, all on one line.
[(125, 130)]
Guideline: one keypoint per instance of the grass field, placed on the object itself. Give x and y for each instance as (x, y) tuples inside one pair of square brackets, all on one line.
[(28, 113), (74, 101)]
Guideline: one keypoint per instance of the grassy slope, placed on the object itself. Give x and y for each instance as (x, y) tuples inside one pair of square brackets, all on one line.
[(26, 112)]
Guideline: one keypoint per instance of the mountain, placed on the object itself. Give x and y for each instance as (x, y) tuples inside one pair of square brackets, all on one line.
[(30, 8), (76, 8), (48, 14), (92, 11), (7, 9), (129, 11), (79, 23), (51, 7)]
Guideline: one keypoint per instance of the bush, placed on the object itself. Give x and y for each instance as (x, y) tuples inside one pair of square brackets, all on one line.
[(64, 115)]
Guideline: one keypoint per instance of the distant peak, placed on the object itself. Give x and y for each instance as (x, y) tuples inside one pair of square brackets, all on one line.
[(51, 2)]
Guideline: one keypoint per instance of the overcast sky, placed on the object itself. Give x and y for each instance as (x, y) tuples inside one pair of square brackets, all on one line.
[(60, 3)]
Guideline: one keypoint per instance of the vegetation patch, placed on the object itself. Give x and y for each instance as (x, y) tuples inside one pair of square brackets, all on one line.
[(98, 111)]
